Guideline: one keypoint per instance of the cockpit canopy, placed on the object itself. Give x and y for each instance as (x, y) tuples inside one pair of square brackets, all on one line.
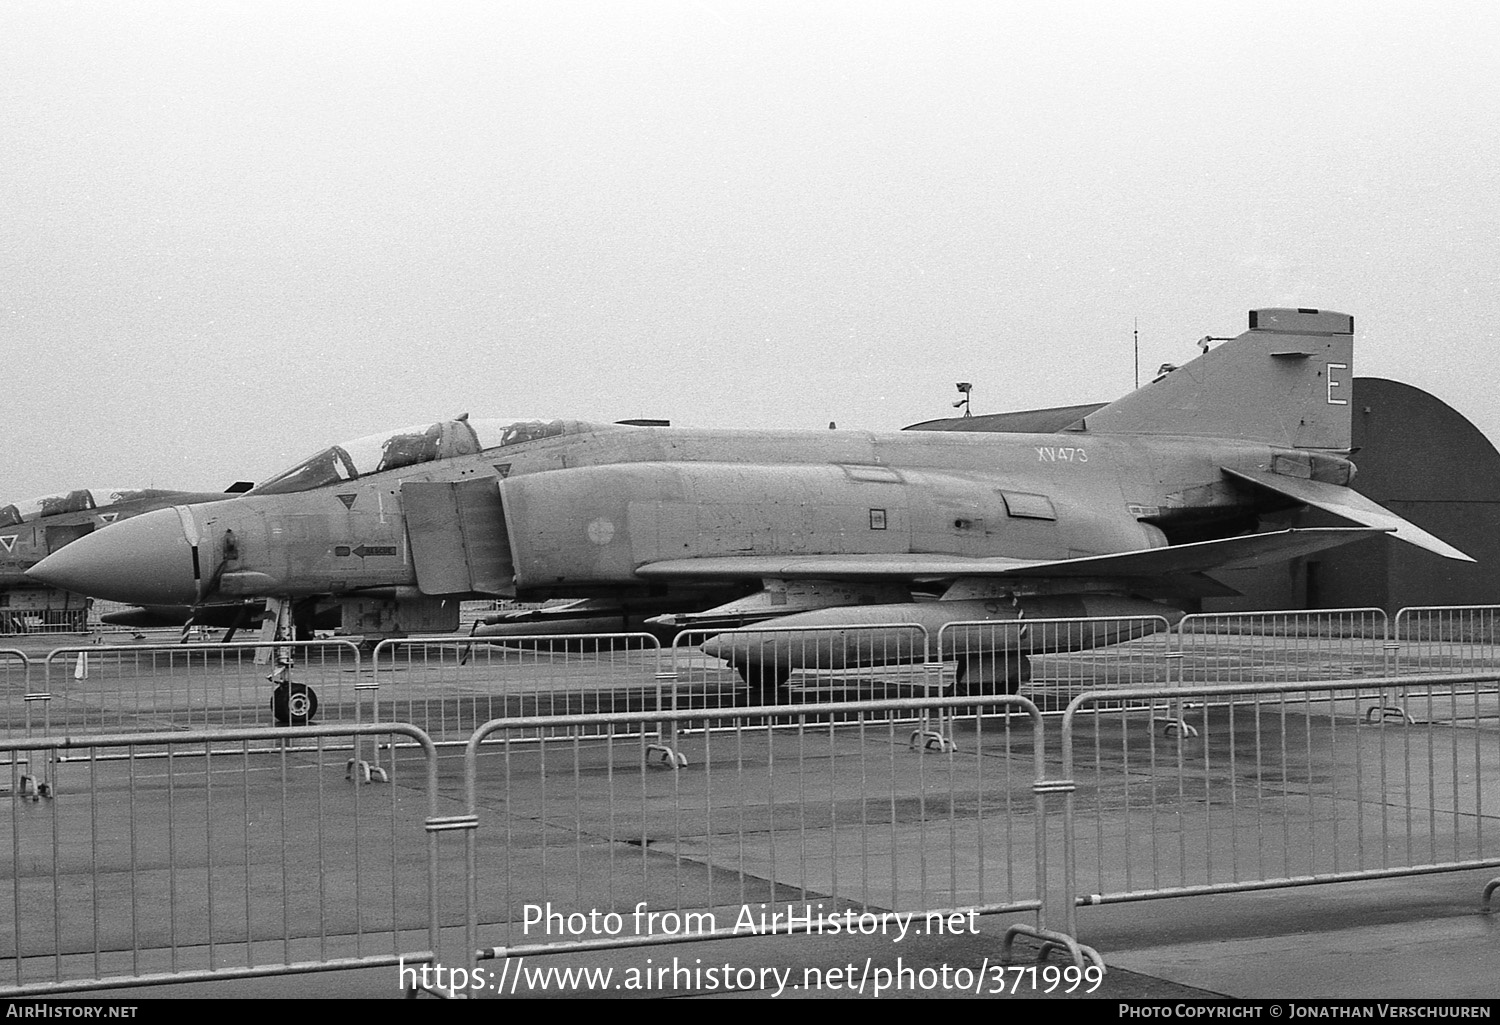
[(65, 502), (410, 446)]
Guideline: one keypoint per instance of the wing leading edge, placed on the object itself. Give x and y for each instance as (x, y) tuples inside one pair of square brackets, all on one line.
[(1242, 552)]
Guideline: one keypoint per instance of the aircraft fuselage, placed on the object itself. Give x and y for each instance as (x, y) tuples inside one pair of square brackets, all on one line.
[(596, 505)]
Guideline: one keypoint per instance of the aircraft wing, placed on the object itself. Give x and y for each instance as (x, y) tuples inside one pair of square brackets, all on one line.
[(1351, 505), (1228, 553)]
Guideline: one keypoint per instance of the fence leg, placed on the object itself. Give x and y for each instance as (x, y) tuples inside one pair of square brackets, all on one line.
[(1489, 889), (1053, 898), (666, 733), (936, 730)]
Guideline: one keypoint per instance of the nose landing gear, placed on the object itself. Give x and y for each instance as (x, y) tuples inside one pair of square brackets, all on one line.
[(292, 704)]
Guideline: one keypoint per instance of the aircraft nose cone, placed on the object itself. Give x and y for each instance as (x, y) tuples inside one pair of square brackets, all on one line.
[(145, 560)]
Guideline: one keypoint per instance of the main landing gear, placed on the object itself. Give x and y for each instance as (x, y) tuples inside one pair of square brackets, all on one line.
[(766, 682), (1000, 672)]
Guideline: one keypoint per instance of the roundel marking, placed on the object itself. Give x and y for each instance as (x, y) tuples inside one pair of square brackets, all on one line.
[(601, 531)]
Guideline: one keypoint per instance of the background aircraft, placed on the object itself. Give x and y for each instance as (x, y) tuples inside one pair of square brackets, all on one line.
[(32, 530), (1099, 516)]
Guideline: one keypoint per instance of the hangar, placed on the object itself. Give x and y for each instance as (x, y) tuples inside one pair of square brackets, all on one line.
[(1423, 460), (1417, 456)]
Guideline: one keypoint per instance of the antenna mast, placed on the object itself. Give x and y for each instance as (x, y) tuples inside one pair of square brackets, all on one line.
[(1137, 333)]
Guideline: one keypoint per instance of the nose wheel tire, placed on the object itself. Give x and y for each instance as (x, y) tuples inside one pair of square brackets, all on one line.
[(294, 704)]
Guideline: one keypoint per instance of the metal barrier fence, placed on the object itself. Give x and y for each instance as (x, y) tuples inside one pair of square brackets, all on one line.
[(1057, 658), (19, 622), (451, 686), (119, 688), (15, 679), (96, 689), (216, 854), (15, 694), (775, 665), (1451, 639), (824, 663), (592, 848), (1270, 647), (224, 853), (1284, 785)]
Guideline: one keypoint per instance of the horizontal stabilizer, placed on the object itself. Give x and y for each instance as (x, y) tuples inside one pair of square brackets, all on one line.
[(1228, 553), (1351, 505)]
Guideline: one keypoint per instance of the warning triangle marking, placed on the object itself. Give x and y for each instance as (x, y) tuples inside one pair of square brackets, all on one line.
[(109, 517), (9, 542), (348, 500)]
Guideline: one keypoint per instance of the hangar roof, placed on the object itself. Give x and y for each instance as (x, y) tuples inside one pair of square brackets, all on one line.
[(1412, 446)]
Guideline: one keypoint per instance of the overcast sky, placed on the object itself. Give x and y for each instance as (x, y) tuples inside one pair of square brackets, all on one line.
[(235, 233)]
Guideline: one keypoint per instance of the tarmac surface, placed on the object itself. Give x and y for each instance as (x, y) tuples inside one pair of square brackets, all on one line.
[(251, 854)]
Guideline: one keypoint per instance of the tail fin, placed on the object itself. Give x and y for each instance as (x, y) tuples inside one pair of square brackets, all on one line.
[(1286, 381)]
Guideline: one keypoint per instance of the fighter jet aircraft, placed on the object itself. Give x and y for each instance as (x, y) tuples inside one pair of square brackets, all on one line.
[(31, 530), (1100, 516)]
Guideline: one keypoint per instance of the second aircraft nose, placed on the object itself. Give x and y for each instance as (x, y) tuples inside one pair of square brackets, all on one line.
[(145, 560)]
